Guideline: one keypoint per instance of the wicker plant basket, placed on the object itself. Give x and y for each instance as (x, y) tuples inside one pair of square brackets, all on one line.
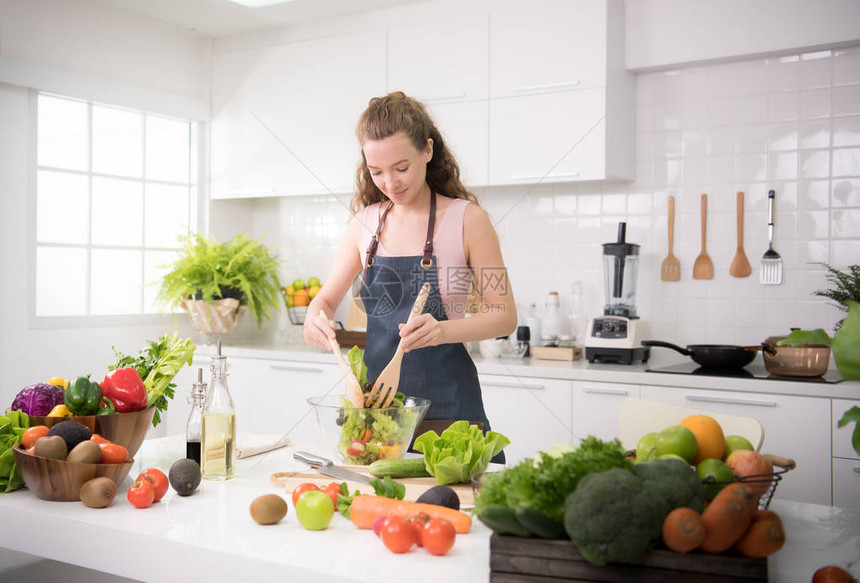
[(215, 317)]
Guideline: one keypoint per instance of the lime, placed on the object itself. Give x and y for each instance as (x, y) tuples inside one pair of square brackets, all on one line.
[(715, 474)]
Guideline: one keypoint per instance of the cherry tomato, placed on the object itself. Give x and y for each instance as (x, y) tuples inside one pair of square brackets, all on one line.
[(418, 522), (397, 534), (301, 489), (113, 453), (438, 536), (832, 574), (32, 435), (99, 439), (141, 494), (158, 480), (332, 490)]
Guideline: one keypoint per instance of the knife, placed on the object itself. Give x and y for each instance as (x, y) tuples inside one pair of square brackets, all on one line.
[(328, 468)]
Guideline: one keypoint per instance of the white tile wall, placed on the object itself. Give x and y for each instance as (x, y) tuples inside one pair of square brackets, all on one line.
[(789, 123)]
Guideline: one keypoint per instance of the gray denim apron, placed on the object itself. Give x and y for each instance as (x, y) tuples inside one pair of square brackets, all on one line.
[(444, 374)]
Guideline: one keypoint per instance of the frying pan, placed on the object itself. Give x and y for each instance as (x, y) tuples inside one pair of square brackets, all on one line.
[(713, 356)]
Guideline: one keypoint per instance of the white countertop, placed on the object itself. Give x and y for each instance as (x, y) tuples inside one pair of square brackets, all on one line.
[(210, 535)]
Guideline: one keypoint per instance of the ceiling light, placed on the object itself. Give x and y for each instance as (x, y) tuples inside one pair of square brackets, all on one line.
[(259, 3)]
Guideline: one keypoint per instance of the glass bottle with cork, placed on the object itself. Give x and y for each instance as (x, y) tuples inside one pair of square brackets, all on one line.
[(219, 424), (194, 426)]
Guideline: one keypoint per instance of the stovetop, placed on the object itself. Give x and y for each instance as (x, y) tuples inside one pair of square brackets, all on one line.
[(752, 371)]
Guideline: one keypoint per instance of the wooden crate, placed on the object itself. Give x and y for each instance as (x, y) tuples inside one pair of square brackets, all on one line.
[(533, 560)]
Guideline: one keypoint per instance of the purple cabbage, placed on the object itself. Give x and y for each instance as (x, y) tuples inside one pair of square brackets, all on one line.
[(38, 400)]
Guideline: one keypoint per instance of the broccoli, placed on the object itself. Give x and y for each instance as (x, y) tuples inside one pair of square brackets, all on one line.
[(675, 481), (612, 517)]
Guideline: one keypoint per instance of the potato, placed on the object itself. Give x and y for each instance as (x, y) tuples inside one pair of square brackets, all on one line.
[(51, 446), (86, 452), (268, 509), (98, 492)]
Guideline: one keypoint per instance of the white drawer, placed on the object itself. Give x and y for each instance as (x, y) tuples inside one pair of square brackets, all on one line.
[(846, 483), (842, 437)]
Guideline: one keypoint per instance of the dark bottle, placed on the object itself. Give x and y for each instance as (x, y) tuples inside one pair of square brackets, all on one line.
[(194, 427)]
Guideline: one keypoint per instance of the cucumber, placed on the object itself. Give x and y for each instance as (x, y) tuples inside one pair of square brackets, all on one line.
[(405, 468), (539, 524), (502, 520)]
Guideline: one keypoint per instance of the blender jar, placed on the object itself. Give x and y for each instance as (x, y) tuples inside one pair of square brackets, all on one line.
[(620, 268)]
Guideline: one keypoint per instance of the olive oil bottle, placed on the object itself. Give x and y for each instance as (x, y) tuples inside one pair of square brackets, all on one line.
[(194, 426), (219, 424)]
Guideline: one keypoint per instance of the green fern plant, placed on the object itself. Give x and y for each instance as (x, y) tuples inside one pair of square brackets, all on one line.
[(208, 270), (845, 286)]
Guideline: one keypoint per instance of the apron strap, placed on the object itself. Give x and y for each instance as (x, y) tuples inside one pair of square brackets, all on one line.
[(427, 259), (374, 239)]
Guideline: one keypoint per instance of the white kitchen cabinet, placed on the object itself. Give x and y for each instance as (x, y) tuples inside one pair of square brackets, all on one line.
[(794, 427), (842, 436), (464, 127), (846, 461), (284, 116), (561, 109), (534, 413), (596, 408)]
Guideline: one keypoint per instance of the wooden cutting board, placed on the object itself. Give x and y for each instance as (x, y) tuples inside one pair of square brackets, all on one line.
[(414, 486)]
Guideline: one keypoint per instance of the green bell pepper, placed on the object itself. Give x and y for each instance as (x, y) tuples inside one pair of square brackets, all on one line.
[(83, 396)]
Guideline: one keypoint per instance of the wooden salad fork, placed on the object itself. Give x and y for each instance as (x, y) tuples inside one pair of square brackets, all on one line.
[(386, 384), (353, 387), (670, 270)]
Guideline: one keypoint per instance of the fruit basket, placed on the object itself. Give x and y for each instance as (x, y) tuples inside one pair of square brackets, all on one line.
[(763, 484), (297, 315)]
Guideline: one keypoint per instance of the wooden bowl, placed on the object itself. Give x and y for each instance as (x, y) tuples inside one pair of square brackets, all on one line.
[(59, 480), (126, 429)]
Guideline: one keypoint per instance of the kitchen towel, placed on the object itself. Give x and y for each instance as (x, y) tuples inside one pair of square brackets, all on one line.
[(251, 444)]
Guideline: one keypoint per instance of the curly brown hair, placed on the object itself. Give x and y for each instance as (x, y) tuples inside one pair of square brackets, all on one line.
[(397, 112)]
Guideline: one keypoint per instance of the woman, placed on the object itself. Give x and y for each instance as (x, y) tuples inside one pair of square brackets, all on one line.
[(414, 221)]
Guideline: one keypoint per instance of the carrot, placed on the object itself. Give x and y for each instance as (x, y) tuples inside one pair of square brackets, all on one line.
[(727, 517), (683, 529), (764, 536), (366, 508)]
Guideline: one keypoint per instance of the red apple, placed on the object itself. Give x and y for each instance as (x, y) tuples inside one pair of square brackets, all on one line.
[(746, 463)]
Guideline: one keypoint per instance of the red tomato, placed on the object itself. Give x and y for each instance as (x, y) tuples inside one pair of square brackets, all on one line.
[(158, 480), (418, 521), (438, 536), (301, 489), (141, 494), (113, 453), (397, 534), (332, 490), (32, 435), (832, 574), (99, 439)]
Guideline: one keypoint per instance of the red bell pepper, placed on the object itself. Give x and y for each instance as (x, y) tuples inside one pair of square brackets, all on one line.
[(125, 388)]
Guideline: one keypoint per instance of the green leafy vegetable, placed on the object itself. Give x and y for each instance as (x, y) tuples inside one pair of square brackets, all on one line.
[(157, 366), (344, 499), (805, 338), (852, 415), (846, 344), (542, 483), (356, 363), (462, 451), (12, 426), (388, 488)]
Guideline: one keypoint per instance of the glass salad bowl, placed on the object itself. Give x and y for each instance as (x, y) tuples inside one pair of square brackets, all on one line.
[(363, 436)]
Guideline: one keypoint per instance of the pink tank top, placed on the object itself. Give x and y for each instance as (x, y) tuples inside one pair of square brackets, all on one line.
[(454, 275)]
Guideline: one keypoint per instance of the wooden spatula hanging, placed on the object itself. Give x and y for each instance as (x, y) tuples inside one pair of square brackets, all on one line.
[(670, 270), (703, 267), (740, 266)]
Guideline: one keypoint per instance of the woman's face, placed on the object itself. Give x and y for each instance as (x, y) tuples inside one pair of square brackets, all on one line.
[(397, 168)]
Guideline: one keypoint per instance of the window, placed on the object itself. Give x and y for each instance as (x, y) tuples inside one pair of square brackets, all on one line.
[(114, 189)]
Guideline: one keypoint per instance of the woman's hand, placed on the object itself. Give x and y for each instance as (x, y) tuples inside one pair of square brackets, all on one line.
[(318, 329), (421, 331)]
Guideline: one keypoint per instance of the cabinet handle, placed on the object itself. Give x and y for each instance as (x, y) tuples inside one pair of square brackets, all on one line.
[(252, 192), (856, 469), (731, 401), (622, 392), (514, 385), (444, 98), (545, 86), (295, 368), (545, 176)]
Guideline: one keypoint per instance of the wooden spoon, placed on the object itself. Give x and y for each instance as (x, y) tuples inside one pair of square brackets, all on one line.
[(703, 267), (670, 270), (740, 266)]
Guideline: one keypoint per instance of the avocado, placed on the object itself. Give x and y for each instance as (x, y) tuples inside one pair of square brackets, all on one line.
[(441, 496), (72, 433), (184, 476)]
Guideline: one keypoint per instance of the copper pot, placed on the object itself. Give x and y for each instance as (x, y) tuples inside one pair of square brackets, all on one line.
[(795, 361)]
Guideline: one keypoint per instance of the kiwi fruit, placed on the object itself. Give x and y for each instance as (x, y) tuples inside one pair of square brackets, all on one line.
[(86, 452), (268, 509), (72, 432), (51, 446), (98, 492), (184, 476)]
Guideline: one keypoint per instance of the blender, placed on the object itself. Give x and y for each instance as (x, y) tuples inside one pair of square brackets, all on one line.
[(616, 337)]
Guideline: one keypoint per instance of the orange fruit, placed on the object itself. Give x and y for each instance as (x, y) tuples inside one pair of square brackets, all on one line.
[(709, 437), (301, 298)]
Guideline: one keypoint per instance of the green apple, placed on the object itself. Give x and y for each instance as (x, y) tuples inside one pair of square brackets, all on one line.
[(646, 449), (314, 510), (735, 442), (679, 440), (715, 475), (298, 284), (313, 281)]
